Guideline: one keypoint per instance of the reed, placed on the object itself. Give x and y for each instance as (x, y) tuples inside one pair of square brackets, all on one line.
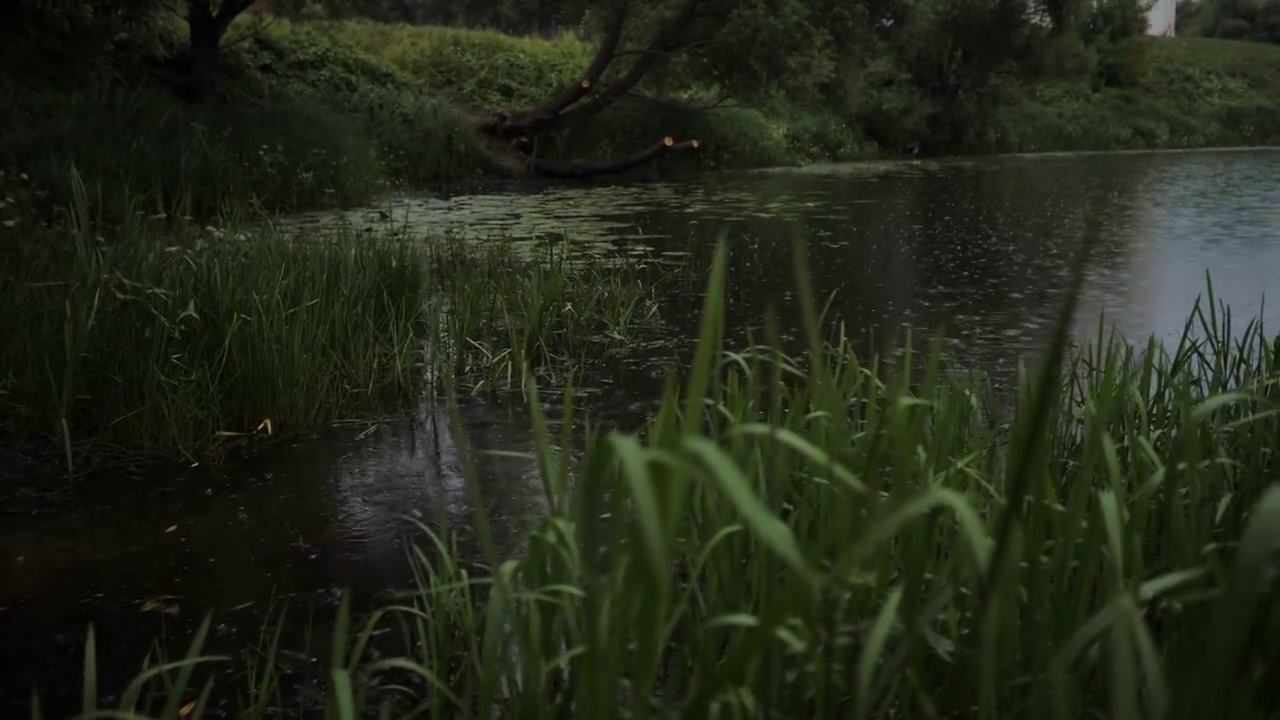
[(162, 337)]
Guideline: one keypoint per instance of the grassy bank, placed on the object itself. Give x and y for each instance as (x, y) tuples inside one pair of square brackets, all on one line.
[(327, 113), (1192, 92), (165, 336), (822, 537), (1175, 93)]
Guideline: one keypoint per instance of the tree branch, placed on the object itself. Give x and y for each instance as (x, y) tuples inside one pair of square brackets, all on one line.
[(604, 56), (593, 168), (227, 11), (663, 43)]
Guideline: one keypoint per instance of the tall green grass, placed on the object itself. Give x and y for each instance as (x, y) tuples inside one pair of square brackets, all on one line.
[(171, 337), (164, 337), (507, 317), (827, 537)]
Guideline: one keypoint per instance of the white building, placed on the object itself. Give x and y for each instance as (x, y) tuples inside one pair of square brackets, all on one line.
[(1162, 17)]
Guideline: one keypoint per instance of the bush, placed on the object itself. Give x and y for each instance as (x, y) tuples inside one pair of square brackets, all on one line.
[(1065, 56), (821, 136), (474, 68), (284, 153), (419, 138), (1124, 63), (886, 104)]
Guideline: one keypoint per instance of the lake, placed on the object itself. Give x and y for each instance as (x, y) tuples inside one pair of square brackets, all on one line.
[(979, 248)]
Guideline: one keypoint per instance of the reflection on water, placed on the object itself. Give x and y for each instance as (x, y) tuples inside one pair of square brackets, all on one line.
[(979, 248)]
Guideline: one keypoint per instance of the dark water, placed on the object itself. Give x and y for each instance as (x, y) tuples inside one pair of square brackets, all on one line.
[(980, 247)]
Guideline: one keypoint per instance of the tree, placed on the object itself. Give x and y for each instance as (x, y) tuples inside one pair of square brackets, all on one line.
[(729, 47)]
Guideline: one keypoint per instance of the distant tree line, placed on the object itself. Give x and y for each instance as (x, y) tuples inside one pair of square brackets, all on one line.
[(903, 69)]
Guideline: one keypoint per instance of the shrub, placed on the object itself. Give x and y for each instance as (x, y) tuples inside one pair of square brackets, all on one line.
[(284, 153)]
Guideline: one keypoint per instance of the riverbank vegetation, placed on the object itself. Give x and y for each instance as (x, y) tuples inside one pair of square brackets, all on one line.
[(827, 537), (169, 337), (329, 103)]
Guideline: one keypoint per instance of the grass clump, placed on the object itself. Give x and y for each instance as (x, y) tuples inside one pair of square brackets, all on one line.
[(507, 318), (161, 336), (164, 336), (823, 537)]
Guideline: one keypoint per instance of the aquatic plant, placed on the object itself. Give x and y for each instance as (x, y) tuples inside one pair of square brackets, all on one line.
[(163, 337), (825, 537), (551, 312)]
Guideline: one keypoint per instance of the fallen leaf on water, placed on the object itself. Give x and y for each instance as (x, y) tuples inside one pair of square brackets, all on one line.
[(185, 710), (170, 529), (159, 605)]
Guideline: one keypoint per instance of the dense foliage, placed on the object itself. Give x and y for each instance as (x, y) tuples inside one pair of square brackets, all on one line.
[(935, 63), (920, 70), (1255, 20)]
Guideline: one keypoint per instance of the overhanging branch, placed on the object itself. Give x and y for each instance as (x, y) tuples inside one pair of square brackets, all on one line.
[(594, 168), (575, 102), (604, 56), (665, 42)]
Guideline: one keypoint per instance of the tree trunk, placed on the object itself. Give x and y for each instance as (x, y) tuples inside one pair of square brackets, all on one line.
[(205, 37), (206, 30)]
